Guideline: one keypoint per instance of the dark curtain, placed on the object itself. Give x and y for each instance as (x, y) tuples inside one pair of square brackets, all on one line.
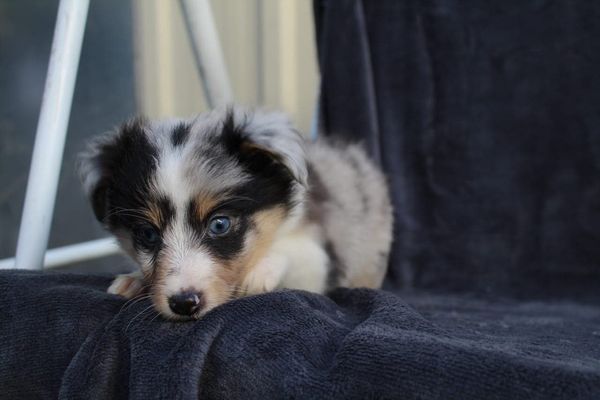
[(486, 118)]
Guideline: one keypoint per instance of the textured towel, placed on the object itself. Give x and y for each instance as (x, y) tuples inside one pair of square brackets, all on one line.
[(63, 334)]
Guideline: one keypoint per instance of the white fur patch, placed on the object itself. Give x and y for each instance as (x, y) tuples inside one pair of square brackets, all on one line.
[(126, 285), (193, 272), (307, 266), (266, 275)]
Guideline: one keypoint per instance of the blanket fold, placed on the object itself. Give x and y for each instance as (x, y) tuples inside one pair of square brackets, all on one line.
[(62, 335)]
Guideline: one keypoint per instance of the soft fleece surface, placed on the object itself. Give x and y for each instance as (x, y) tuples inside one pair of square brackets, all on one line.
[(61, 335), (486, 117)]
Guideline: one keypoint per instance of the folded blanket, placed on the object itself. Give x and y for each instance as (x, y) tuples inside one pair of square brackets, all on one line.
[(62, 335)]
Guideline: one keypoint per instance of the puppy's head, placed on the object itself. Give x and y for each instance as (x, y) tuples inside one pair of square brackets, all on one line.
[(197, 203)]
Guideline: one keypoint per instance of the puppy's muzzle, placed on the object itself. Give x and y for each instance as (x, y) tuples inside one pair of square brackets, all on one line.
[(186, 303)]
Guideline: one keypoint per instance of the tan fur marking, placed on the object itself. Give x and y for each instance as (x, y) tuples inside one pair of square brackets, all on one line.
[(224, 285), (257, 245), (267, 222), (154, 214), (205, 203)]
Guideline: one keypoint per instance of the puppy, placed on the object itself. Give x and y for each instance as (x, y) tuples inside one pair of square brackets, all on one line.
[(233, 203)]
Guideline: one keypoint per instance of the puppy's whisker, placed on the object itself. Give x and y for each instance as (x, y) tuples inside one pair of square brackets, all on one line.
[(117, 210), (236, 198), (136, 216), (125, 209), (130, 300), (128, 212), (133, 301), (137, 315), (156, 316)]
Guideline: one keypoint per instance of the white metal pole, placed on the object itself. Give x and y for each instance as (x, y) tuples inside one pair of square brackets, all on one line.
[(207, 51), (73, 253), (50, 135)]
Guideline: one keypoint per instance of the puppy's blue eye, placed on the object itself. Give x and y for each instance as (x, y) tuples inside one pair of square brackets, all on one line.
[(219, 225), (148, 236)]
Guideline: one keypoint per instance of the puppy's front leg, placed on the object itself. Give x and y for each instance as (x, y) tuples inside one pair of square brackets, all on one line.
[(266, 276), (127, 285)]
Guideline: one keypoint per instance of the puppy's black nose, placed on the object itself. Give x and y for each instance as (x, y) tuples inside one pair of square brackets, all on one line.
[(186, 303)]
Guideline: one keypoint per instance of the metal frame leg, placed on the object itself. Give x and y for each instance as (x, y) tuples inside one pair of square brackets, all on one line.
[(73, 253), (207, 51), (51, 132)]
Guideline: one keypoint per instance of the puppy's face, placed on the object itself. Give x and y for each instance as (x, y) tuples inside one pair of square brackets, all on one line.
[(197, 203)]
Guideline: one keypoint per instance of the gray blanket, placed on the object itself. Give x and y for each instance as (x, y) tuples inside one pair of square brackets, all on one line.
[(62, 335)]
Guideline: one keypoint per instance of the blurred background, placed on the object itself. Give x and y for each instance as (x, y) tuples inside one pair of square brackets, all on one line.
[(137, 59)]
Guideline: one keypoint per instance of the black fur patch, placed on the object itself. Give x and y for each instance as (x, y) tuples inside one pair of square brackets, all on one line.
[(141, 245), (127, 163), (336, 271), (271, 183), (267, 190), (136, 224), (167, 212), (227, 246), (180, 134)]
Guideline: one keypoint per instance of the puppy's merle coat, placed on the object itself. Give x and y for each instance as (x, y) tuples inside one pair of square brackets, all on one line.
[(232, 203)]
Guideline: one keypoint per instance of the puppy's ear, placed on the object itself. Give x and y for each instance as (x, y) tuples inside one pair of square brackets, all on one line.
[(93, 171), (269, 132), (98, 164)]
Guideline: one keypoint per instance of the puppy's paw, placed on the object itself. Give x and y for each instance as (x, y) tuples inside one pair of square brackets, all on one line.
[(126, 285), (265, 276)]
